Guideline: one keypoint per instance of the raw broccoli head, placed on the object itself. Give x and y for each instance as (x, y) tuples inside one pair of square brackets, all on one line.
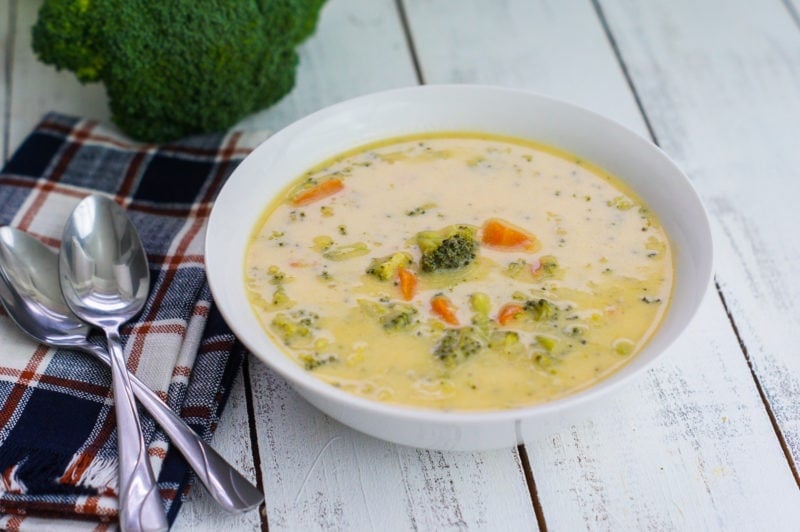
[(179, 67), (451, 248)]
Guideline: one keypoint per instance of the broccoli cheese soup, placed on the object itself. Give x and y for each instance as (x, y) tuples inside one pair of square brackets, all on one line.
[(459, 271)]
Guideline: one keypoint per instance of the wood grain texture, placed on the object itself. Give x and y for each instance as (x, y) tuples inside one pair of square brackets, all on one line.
[(7, 24), (320, 474), (37, 88), (358, 48), (536, 45), (734, 128), (673, 451), (793, 6), (587, 475), (232, 441)]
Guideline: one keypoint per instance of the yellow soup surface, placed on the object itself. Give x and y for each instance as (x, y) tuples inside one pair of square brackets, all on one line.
[(459, 271)]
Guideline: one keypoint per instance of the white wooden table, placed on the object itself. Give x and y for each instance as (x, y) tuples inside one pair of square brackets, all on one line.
[(709, 439)]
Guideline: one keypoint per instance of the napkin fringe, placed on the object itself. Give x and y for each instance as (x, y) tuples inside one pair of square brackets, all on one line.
[(10, 481), (95, 472)]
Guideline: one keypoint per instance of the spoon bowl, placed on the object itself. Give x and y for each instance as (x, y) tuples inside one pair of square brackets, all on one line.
[(31, 295), (104, 273)]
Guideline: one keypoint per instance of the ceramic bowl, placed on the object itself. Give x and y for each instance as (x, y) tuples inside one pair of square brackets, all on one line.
[(319, 136)]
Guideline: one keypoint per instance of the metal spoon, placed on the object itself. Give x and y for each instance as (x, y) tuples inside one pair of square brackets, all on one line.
[(105, 278), (30, 292)]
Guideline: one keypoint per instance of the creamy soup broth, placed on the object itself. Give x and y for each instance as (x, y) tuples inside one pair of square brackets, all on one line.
[(526, 321)]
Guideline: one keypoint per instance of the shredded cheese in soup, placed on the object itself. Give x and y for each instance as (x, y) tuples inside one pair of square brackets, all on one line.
[(459, 271)]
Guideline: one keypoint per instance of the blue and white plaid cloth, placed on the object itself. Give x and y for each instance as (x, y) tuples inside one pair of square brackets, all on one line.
[(58, 451)]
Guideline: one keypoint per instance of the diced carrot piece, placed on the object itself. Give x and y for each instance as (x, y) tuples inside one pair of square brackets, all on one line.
[(408, 283), (508, 312), (500, 234), (319, 191), (442, 307)]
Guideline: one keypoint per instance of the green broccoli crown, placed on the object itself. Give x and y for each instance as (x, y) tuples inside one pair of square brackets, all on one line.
[(400, 318), (313, 360), (295, 328), (456, 345), (181, 67), (392, 315), (541, 309), (449, 249)]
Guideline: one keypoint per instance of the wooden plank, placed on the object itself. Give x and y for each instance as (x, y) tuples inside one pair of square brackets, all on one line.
[(323, 475), (586, 474), (358, 48), (7, 24), (687, 447), (536, 45), (734, 129), (38, 88), (232, 441), (317, 473)]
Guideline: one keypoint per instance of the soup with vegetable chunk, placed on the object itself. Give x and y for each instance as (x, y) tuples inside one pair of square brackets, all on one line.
[(459, 271)]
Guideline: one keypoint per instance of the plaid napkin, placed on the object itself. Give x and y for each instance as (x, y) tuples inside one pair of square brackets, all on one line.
[(58, 450)]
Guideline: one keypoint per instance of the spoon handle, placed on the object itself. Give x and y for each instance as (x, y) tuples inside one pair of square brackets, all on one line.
[(140, 506), (228, 487)]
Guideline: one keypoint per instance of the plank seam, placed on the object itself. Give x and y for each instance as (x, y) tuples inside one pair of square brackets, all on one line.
[(248, 397), (772, 419), (410, 41), (534, 494), (8, 69), (792, 12), (624, 67)]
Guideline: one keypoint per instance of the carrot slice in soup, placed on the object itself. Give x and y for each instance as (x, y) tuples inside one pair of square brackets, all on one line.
[(500, 234), (442, 307), (317, 192), (408, 283), (508, 312)]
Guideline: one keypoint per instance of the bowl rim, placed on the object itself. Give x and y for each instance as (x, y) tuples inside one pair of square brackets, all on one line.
[(305, 381)]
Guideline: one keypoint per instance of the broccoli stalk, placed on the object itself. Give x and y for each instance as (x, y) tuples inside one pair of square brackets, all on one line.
[(448, 249), (385, 268), (179, 67)]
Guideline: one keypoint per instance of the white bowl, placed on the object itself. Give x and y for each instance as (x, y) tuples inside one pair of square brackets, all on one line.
[(290, 152)]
